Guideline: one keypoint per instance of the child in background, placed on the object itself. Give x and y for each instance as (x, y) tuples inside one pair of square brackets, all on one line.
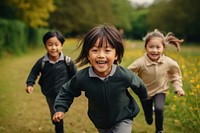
[(55, 69), (157, 70), (111, 107)]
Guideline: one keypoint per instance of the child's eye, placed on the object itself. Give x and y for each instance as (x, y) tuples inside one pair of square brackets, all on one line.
[(108, 50), (94, 50), (49, 44), (150, 46)]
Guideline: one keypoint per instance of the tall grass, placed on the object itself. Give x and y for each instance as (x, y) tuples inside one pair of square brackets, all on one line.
[(28, 113)]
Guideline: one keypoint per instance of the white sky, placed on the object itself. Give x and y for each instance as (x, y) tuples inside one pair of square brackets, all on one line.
[(142, 2)]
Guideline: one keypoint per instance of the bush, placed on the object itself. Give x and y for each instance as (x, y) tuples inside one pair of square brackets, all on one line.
[(35, 36), (3, 25), (16, 39), (13, 36), (16, 36)]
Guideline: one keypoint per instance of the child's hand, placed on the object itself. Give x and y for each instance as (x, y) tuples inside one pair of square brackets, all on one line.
[(58, 116), (180, 92), (29, 89)]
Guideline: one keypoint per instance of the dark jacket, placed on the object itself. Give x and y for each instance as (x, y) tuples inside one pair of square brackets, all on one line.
[(109, 100), (53, 76)]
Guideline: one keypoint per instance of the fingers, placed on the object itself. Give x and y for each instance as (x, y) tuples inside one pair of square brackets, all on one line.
[(180, 93), (29, 89), (58, 116)]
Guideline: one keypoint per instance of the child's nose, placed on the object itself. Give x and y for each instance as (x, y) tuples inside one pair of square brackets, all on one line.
[(53, 46), (101, 54), (154, 49)]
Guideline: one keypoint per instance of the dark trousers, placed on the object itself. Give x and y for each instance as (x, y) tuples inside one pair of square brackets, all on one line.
[(59, 128), (158, 101)]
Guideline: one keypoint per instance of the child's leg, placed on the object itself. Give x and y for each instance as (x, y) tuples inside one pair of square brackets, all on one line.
[(159, 100), (58, 125), (148, 111), (125, 126)]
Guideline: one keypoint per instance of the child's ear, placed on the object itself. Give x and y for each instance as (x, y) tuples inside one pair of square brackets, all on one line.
[(116, 57)]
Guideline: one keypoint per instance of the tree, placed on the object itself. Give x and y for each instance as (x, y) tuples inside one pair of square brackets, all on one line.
[(76, 17), (178, 16), (123, 11), (140, 24), (34, 13)]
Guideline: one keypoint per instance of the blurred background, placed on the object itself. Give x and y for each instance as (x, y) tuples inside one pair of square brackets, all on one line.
[(23, 22)]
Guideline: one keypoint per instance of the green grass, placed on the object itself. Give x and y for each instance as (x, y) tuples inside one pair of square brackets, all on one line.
[(28, 113)]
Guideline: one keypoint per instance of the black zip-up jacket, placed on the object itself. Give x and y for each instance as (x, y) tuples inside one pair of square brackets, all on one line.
[(109, 100), (53, 76)]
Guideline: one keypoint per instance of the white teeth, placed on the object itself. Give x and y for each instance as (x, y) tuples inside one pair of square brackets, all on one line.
[(101, 62)]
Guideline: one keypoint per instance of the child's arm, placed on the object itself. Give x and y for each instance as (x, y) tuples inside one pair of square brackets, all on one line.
[(175, 78), (135, 66), (139, 87), (33, 76), (66, 96)]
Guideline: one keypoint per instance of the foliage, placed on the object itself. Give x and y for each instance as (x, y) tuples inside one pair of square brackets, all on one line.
[(16, 37), (123, 12), (35, 36), (7, 11), (139, 24), (34, 13), (13, 36), (186, 110), (178, 16), (2, 37), (76, 17)]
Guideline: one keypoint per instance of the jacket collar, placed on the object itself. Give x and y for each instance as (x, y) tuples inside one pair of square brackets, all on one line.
[(149, 62), (46, 58), (93, 74)]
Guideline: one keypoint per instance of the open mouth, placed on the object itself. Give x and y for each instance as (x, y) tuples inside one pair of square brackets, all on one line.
[(154, 54), (101, 62)]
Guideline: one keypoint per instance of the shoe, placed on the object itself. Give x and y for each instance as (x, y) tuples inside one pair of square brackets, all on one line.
[(159, 131)]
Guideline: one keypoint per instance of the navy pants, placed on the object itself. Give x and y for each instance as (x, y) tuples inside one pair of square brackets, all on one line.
[(158, 102), (58, 125)]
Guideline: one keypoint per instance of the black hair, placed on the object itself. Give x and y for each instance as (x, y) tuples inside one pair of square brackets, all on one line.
[(50, 34), (106, 33)]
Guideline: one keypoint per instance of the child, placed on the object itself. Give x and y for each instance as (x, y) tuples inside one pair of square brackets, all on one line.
[(111, 107), (55, 69), (157, 70)]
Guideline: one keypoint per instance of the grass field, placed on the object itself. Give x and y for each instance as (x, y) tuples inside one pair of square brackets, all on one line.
[(28, 113)]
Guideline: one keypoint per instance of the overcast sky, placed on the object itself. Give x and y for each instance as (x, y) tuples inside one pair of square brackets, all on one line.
[(142, 2)]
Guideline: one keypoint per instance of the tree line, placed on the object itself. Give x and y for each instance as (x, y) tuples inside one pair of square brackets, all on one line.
[(74, 18)]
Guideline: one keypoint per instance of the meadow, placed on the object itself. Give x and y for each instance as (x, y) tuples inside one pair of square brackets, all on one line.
[(28, 113)]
